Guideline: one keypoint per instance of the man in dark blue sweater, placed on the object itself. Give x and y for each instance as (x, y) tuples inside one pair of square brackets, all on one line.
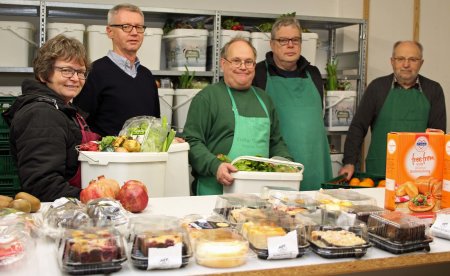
[(119, 87)]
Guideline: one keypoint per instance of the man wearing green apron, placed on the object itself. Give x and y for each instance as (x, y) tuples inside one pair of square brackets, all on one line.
[(403, 101), (296, 89), (233, 118)]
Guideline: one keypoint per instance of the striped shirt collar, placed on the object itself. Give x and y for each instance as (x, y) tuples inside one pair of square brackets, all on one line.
[(396, 84), (124, 63)]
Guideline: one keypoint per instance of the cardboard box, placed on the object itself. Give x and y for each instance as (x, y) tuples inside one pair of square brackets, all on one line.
[(414, 168), (445, 203)]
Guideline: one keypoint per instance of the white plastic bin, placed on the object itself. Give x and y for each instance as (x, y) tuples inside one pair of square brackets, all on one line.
[(147, 167), (166, 103), (177, 171), (186, 47), (181, 102), (150, 51), (8, 91), (339, 109), (309, 46), (226, 36), (98, 42), (17, 44), (261, 42), (336, 163), (70, 30)]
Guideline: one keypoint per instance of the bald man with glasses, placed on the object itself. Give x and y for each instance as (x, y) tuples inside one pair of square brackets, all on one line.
[(119, 86), (403, 101)]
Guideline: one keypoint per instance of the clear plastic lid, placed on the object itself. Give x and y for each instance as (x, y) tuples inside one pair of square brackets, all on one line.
[(293, 203), (343, 197), (363, 212), (397, 227), (221, 248), (106, 209), (159, 243), (91, 250), (236, 207)]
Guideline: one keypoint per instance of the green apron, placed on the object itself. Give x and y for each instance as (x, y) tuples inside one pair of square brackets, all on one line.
[(251, 137), (298, 104), (404, 110)]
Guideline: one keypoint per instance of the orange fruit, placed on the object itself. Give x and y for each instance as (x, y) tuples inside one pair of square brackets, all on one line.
[(367, 182), (354, 181), (382, 184)]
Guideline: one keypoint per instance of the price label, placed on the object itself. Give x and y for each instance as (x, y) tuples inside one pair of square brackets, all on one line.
[(164, 258), (284, 247)]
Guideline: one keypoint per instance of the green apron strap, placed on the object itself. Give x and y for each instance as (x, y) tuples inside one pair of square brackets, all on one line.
[(404, 110), (299, 107), (251, 137)]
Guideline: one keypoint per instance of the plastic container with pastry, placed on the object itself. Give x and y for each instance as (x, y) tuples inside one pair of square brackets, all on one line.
[(293, 203), (363, 212), (343, 197), (398, 232), (91, 250), (339, 241), (221, 248), (158, 243), (15, 239), (276, 237), (197, 225), (238, 207)]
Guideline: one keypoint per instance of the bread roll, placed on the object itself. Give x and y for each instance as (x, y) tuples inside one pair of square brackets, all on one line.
[(411, 189), (429, 185)]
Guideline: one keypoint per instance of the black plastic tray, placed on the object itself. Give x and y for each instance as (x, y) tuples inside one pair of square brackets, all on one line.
[(340, 252), (97, 268), (400, 248), (264, 253)]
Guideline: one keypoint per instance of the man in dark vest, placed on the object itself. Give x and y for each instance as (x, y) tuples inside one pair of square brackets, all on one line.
[(119, 87)]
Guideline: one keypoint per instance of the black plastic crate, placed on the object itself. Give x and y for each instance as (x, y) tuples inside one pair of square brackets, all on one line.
[(5, 103), (9, 185), (341, 182)]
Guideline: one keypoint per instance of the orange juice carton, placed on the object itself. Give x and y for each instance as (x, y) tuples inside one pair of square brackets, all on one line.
[(445, 203), (414, 172)]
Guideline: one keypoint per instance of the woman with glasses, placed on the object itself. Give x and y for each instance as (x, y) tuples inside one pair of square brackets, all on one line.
[(233, 118), (402, 101), (296, 89), (45, 127)]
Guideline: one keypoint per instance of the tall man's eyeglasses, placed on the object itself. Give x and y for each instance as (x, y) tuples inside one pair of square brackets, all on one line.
[(68, 72), (412, 60), (285, 41), (128, 28), (248, 63)]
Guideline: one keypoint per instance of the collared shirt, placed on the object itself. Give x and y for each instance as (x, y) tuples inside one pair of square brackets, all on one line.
[(124, 63), (396, 84)]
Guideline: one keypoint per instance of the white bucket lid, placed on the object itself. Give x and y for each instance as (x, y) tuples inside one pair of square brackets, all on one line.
[(153, 31), (176, 147), (97, 28), (260, 35), (165, 92), (268, 175), (66, 26), (103, 158), (306, 36), (188, 32), (16, 25)]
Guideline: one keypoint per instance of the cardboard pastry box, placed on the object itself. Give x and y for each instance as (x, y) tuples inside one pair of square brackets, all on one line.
[(414, 171)]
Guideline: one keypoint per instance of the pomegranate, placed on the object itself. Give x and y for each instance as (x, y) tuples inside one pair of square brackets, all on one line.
[(94, 190), (111, 183), (133, 196)]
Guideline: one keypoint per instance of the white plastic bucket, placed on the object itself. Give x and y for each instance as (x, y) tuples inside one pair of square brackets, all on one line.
[(186, 47), (18, 43), (147, 167), (70, 30), (181, 102), (261, 42), (177, 171), (339, 109), (98, 42), (150, 51), (166, 103), (226, 36), (336, 163), (309, 46)]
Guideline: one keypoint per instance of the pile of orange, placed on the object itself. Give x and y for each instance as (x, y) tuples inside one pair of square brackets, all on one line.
[(365, 182)]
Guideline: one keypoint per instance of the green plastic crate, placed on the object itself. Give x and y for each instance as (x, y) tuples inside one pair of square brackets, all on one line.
[(9, 185), (341, 182), (4, 135), (7, 165), (5, 103)]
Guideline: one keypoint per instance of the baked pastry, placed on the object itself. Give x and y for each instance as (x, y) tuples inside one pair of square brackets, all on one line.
[(428, 185), (396, 227), (339, 238), (257, 234), (363, 212), (221, 249), (243, 214), (148, 240)]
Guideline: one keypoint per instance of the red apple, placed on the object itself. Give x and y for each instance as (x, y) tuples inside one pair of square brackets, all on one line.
[(94, 190), (133, 196)]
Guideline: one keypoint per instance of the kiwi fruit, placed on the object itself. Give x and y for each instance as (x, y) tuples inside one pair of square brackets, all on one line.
[(20, 205), (34, 201)]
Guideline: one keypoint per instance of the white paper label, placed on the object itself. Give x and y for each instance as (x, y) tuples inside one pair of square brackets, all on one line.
[(346, 219), (164, 258), (441, 226), (59, 202), (284, 247), (446, 185)]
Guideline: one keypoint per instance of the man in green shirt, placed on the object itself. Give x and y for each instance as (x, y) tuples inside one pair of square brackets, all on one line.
[(230, 117)]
